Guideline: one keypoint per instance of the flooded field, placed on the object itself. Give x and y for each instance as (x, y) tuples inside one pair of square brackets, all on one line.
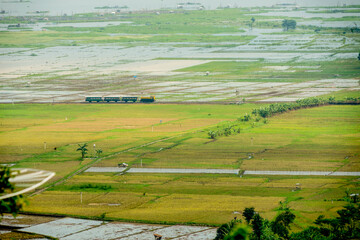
[(187, 91), (82, 6), (304, 14), (119, 54), (68, 74), (77, 229)]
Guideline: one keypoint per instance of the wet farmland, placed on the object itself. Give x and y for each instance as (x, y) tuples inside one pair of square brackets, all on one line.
[(281, 65), (70, 228)]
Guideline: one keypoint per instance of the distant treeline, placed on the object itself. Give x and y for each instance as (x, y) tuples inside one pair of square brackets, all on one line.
[(303, 103), (261, 114), (112, 7)]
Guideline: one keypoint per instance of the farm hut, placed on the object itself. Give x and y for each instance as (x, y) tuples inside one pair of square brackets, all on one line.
[(157, 236)]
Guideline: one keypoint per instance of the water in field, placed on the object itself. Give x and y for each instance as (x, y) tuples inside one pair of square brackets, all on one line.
[(304, 14), (41, 25), (70, 228), (69, 73), (53, 7), (330, 24)]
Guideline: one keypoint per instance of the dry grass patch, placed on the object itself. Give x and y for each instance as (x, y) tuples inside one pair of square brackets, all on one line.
[(18, 235), (12, 158)]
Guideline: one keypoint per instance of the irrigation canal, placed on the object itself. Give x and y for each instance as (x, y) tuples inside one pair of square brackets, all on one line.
[(220, 171)]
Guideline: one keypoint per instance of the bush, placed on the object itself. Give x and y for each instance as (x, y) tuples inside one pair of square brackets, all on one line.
[(90, 186)]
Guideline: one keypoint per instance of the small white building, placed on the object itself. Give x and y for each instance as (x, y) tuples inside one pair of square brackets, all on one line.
[(190, 6)]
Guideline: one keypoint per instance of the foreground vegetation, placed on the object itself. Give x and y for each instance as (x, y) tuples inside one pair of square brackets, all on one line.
[(344, 226)]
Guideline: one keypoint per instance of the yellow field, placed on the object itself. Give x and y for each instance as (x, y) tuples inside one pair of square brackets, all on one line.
[(155, 208)]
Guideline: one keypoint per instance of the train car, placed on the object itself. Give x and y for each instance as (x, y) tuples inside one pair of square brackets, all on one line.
[(129, 99), (112, 99), (121, 99), (147, 99), (93, 99)]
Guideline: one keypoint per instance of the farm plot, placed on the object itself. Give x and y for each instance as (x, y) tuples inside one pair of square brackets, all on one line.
[(165, 66), (270, 148), (322, 139), (89, 58), (179, 198), (47, 136), (89, 229), (63, 227), (64, 86)]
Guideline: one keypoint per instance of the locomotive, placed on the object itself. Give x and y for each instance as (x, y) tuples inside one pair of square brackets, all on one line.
[(121, 99)]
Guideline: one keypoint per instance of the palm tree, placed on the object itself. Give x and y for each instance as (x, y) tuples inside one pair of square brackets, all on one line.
[(98, 152), (83, 149)]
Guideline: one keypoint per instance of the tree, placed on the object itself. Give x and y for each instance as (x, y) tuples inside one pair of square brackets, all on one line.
[(345, 226), (281, 224), (355, 29), (212, 134), (257, 226), (239, 232), (11, 205), (248, 214), (225, 229), (310, 233), (288, 24), (98, 152), (267, 233), (83, 149), (252, 22), (332, 99)]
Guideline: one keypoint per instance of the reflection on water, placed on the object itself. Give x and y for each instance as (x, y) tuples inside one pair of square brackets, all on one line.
[(17, 8), (41, 25)]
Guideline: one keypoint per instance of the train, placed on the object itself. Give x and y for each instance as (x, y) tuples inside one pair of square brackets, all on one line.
[(121, 99)]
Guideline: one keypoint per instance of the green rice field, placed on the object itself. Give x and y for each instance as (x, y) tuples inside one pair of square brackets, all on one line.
[(316, 139)]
